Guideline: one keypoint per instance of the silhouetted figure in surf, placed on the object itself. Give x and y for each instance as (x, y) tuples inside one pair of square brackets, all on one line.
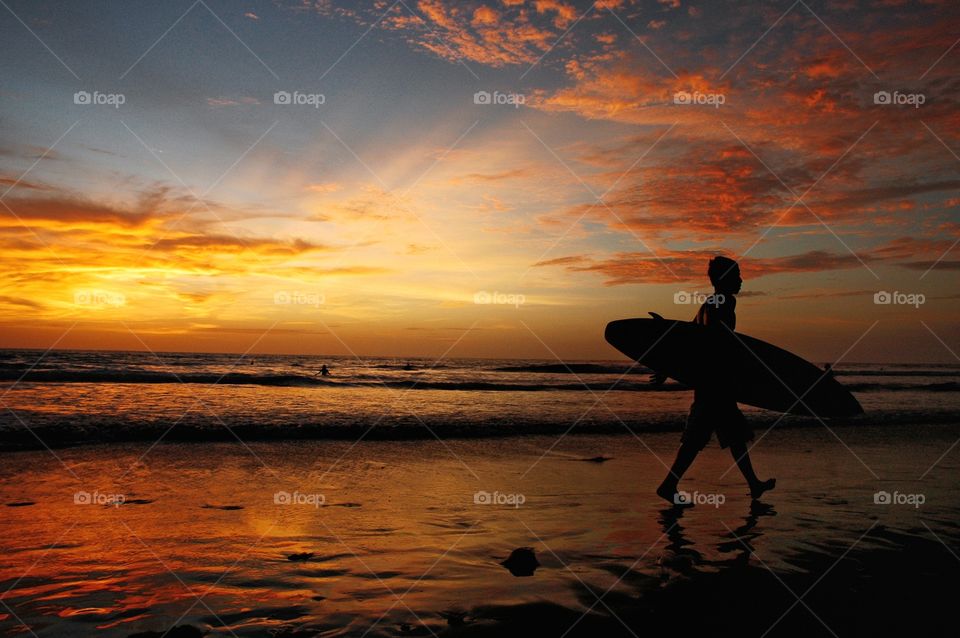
[(324, 372), (713, 406)]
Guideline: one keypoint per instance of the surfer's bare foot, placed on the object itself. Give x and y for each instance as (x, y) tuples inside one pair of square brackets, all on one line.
[(669, 494), (757, 489), (666, 492)]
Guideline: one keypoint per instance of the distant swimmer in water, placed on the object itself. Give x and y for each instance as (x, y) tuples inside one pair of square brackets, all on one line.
[(408, 366), (324, 372)]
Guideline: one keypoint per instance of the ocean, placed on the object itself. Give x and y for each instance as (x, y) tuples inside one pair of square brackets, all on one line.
[(62, 398)]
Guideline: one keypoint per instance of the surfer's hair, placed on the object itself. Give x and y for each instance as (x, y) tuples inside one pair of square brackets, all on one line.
[(720, 267)]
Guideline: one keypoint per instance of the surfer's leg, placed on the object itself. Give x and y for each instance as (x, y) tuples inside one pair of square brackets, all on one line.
[(742, 456), (696, 435), (685, 456)]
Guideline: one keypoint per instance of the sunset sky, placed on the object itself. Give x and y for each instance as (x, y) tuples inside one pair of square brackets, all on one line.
[(200, 215)]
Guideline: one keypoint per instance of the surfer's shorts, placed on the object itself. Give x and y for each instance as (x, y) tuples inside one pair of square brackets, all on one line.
[(725, 419)]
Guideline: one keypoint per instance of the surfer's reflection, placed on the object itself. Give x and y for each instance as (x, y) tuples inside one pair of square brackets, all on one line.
[(681, 557), (741, 539)]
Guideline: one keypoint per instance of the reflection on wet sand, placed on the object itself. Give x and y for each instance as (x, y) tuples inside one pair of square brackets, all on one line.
[(406, 538)]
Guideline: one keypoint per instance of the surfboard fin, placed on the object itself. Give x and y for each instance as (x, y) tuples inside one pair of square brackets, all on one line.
[(655, 315)]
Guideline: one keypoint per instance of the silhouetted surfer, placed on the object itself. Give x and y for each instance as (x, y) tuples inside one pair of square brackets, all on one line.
[(324, 372), (714, 408)]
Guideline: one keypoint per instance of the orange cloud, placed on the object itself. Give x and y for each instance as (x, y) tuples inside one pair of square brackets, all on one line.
[(667, 266), (71, 211), (565, 13), (482, 32), (484, 15)]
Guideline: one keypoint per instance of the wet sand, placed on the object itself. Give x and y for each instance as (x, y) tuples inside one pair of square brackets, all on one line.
[(387, 538)]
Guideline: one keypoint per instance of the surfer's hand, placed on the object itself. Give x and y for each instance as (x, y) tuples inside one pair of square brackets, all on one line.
[(657, 378)]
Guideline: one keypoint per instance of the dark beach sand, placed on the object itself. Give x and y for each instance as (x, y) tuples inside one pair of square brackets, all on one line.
[(399, 547)]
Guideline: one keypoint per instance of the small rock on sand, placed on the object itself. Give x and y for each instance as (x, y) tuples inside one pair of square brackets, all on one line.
[(522, 562)]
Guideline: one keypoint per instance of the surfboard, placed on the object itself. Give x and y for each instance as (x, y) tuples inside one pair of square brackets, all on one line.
[(754, 372)]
